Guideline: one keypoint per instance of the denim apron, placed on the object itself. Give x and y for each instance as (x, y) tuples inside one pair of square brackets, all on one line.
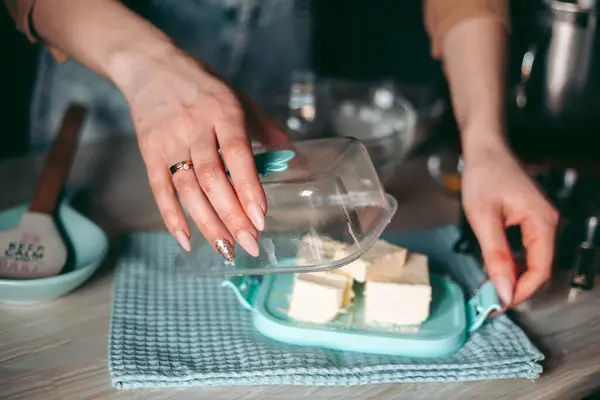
[(254, 44)]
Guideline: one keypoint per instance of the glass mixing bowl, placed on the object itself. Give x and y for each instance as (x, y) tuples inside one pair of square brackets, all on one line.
[(375, 114)]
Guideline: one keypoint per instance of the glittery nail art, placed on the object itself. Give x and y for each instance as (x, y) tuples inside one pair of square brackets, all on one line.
[(225, 249)]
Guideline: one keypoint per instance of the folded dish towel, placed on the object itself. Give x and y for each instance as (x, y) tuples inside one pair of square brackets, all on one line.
[(170, 330)]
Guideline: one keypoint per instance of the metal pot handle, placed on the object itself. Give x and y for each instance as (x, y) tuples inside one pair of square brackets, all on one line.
[(526, 68), (540, 44)]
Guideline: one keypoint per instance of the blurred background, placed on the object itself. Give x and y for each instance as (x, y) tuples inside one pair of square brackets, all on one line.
[(17, 67), (368, 73), (351, 39)]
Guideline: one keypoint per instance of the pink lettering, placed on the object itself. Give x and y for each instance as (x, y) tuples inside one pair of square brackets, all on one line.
[(34, 267), (13, 266), (30, 238), (22, 267)]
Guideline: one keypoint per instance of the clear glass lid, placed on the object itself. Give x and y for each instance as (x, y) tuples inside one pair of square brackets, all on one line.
[(326, 207)]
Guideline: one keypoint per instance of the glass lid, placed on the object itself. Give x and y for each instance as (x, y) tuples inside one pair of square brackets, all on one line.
[(326, 208)]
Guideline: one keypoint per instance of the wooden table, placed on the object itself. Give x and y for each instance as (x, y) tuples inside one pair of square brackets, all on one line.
[(58, 350)]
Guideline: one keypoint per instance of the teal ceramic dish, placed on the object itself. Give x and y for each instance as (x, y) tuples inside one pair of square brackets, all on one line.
[(87, 244)]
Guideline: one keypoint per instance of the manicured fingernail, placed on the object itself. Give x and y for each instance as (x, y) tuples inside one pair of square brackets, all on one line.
[(248, 242), (257, 216), (183, 239), (225, 249), (504, 287)]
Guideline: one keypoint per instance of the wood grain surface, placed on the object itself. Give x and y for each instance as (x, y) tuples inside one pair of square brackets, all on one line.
[(58, 350)]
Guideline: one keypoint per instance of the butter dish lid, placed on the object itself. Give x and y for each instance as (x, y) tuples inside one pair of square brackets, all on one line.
[(326, 207)]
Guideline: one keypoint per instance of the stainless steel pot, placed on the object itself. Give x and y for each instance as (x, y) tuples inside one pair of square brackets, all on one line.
[(558, 71)]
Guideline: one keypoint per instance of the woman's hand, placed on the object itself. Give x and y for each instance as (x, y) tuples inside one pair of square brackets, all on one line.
[(182, 111), (496, 191), (496, 194)]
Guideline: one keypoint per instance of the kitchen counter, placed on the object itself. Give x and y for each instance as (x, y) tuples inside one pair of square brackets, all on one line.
[(58, 350)]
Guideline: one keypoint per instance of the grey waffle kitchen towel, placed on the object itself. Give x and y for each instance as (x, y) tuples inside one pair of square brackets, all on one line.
[(170, 330)]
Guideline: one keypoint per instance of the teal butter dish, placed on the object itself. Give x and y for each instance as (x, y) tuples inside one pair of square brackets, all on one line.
[(452, 319), (317, 191)]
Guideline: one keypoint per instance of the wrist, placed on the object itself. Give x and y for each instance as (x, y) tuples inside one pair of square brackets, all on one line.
[(127, 61), (479, 142)]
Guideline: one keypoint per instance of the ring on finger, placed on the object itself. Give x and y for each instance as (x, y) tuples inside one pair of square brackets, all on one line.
[(181, 165)]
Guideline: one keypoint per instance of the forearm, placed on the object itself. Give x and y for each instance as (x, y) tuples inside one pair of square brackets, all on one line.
[(474, 57), (98, 33)]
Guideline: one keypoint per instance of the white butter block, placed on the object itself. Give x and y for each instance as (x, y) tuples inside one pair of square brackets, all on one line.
[(318, 297), (383, 257), (401, 298), (336, 278), (316, 249)]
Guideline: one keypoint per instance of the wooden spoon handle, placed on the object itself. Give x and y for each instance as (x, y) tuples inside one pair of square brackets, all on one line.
[(58, 163)]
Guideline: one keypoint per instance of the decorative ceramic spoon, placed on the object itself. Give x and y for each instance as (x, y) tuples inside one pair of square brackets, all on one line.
[(35, 248)]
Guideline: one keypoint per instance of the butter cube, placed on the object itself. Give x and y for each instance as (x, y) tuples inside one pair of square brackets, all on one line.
[(336, 278), (318, 297), (317, 250), (398, 296), (382, 258)]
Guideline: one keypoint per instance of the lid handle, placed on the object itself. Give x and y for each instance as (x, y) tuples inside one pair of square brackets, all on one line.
[(245, 288), (272, 161), (481, 305)]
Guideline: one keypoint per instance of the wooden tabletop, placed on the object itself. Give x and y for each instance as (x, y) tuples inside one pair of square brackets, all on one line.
[(58, 350)]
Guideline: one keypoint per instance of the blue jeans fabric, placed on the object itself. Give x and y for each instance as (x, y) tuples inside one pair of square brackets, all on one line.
[(251, 43)]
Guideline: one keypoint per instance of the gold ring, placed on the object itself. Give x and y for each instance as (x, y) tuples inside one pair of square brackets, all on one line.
[(181, 165)]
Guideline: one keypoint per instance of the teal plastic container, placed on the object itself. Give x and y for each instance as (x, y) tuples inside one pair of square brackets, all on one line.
[(452, 319)]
